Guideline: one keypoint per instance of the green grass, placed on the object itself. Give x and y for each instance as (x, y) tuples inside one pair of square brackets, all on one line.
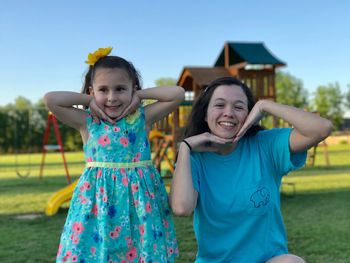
[(316, 216), (318, 226)]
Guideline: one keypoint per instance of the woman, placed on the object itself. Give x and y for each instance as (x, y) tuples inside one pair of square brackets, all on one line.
[(229, 171)]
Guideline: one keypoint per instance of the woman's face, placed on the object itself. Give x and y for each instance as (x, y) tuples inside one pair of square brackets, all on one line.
[(227, 111), (112, 90)]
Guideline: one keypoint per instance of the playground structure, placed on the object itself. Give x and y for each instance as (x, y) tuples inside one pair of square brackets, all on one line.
[(311, 156), (59, 198), (251, 62), (65, 194)]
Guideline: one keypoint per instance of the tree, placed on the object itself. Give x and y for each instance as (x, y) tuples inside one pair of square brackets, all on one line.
[(22, 126), (161, 82), (165, 82), (328, 103), (347, 102), (290, 90), (21, 103)]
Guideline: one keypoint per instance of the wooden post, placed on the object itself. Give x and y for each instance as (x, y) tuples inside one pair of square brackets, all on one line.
[(227, 56)]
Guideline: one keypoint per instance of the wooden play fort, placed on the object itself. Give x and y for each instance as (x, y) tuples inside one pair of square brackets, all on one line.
[(251, 62)]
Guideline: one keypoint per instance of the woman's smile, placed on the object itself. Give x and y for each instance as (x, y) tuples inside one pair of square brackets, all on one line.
[(227, 111)]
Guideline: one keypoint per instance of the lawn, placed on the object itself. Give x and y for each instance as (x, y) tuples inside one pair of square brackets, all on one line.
[(315, 204)]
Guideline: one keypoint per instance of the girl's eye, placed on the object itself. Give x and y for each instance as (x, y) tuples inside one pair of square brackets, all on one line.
[(120, 89)]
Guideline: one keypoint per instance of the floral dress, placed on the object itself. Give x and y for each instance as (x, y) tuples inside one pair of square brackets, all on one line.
[(119, 210)]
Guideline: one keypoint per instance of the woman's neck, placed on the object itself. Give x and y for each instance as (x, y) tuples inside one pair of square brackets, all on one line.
[(225, 149)]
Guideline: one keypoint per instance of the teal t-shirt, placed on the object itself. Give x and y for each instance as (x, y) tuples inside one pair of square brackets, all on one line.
[(237, 217)]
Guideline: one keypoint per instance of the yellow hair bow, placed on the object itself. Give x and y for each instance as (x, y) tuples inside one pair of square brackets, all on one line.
[(99, 53)]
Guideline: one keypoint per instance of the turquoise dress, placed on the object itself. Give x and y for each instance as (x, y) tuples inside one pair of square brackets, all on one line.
[(119, 210)]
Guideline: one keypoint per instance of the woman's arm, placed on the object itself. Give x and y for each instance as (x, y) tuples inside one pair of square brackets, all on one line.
[(61, 103), (309, 128), (168, 98), (183, 196)]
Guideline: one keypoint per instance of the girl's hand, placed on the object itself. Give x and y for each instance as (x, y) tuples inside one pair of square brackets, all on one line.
[(255, 115), (206, 142), (97, 113), (133, 106)]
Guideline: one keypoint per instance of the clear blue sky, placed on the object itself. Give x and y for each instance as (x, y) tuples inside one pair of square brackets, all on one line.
[(44, 44)]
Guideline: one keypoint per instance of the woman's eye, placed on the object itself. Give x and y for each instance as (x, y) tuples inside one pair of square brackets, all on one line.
[(219, 105)]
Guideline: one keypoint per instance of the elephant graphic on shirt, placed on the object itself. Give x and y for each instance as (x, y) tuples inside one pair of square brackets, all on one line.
[(260, 197)]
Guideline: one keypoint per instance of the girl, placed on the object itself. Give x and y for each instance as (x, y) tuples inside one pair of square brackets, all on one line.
[(119, 210), (229, 172)]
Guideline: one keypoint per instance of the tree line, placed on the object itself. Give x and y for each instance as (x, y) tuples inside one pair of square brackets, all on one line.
[(328, 100), (22, 123), (22, 127)]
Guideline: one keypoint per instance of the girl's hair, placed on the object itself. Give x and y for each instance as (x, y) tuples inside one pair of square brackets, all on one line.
[(112, 62), (196, 122)]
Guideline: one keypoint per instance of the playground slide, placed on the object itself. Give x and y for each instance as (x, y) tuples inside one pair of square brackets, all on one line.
[(60, 197)]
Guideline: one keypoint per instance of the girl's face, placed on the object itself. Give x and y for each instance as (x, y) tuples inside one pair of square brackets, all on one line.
[(112, 89), (227, 111)]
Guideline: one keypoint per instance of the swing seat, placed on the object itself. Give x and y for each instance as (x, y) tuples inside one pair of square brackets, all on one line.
[(51, 147), (22, 175)]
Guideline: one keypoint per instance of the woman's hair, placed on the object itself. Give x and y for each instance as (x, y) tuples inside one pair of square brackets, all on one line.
[(112, 62), (196, 122)]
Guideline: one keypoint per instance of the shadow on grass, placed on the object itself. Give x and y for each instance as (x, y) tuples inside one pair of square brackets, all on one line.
[(30, 240), (28, 163), (36, 240), (318, 228), (33, 184), (337, 151), (323, 170), (318, 225)]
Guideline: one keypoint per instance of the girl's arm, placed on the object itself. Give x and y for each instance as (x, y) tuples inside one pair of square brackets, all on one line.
[(183, 196), (168, 98), (61, 103), (309, 128)]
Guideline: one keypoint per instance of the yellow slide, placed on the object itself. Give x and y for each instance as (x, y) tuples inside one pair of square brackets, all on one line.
[(60, 197)]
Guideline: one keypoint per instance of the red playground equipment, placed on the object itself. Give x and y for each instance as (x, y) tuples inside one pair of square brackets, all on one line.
[(52, 119)]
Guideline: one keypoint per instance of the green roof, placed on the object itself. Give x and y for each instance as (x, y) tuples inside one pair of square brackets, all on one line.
[(252, 53)]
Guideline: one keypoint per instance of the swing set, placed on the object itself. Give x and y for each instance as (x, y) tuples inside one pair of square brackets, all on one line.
[(22, 173), (51, 120), (47, 147)]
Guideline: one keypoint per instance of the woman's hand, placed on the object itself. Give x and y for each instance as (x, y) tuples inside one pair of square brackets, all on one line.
[(97, 113), (255, 115), (133, 106), (206, 142)]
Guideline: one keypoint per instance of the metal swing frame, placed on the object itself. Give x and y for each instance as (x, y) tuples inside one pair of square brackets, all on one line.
[(28, 172)]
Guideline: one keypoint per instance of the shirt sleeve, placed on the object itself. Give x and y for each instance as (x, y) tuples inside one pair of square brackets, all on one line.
[(277, 143)]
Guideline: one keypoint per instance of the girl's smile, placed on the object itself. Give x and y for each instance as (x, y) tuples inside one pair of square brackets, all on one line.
[(112, 90)]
